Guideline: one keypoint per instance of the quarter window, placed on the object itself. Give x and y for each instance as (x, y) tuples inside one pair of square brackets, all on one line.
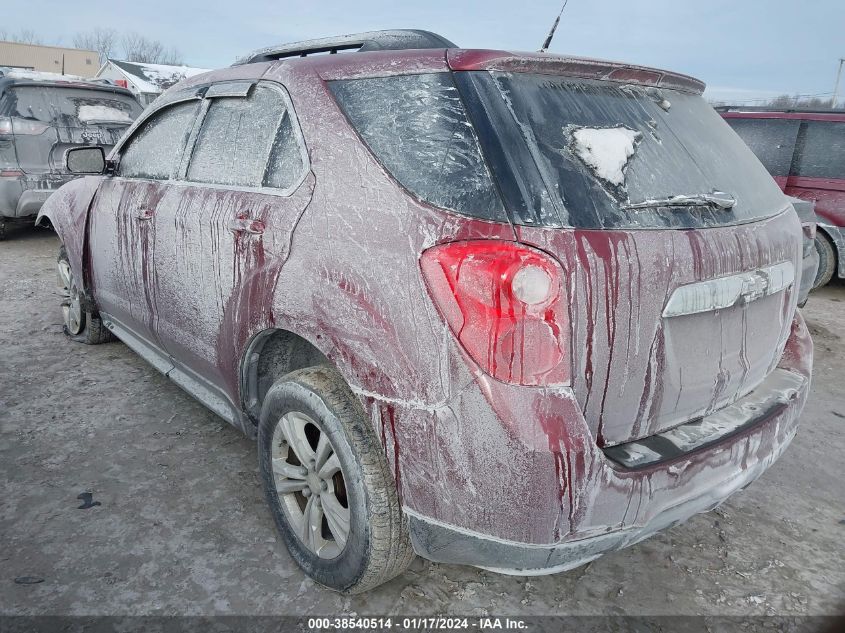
[(772, 140), (247, 143), (417, 127), (821, 151), (156, 149)]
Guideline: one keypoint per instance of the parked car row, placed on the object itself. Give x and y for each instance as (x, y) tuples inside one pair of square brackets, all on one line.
[(510, 310), (804, 150)]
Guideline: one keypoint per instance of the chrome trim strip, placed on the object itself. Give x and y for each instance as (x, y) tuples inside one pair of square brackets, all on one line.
[(724, 292)]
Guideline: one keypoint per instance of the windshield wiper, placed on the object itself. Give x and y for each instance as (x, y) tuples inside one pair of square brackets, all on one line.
[(717, 199)]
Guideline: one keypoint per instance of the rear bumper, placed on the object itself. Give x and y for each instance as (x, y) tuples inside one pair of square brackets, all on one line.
[(23, 197), (609, 506), (444, 543)]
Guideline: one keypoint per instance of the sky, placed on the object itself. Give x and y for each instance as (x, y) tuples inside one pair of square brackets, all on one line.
[(745, 50)]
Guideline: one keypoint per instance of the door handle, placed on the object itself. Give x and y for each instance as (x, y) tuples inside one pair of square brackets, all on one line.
[(145, 214), (244, 224)]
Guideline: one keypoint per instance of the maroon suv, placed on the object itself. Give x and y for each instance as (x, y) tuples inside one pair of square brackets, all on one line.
[(510, 310), (804, 150)]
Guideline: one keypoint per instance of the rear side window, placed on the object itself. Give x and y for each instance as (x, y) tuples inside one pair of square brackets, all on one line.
[(417, 128), (772, 140), (248, 142), (821, 151), (156, 148)]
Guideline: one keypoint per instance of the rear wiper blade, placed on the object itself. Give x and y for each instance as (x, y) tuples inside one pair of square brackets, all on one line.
[(717, 199)]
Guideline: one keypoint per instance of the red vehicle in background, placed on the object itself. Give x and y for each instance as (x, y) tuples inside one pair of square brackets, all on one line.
[(804, 150)]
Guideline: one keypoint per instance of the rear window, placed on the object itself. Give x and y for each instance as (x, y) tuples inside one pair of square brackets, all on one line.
[(65, 107), (248, 142), (610, 155), (771, 140), (821, 151), (417, 128)]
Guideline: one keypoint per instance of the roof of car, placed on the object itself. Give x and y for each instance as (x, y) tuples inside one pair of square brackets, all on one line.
[(400, 51), (9, 77)]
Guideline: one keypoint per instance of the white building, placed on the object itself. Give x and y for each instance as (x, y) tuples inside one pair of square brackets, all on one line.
[(146, 81)]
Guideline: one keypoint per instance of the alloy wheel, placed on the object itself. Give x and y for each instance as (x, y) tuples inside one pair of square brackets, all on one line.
[(310, 484), (71, 300)]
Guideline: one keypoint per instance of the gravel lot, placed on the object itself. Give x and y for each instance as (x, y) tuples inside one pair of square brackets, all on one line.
[(182, 526)]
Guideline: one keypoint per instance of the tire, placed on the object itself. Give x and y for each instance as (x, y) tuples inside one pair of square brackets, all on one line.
[(80, 322), (827, 260), (310, 405)]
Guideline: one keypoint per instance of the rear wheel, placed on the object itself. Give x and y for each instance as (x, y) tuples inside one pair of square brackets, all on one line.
[(80, 323), (827, 260), (328, 483)]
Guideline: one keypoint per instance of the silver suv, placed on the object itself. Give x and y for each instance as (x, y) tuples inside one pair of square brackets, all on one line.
[(41, 116)]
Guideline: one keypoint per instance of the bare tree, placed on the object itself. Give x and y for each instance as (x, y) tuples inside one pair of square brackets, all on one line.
[(798, 101), (4, 36), (137, 48), (101, 40), (27, 36)]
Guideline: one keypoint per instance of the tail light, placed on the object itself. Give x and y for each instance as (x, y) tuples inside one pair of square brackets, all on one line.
[(507, 305), (9, 125)]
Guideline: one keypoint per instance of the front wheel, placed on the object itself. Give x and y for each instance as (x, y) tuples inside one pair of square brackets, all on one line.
[(80, 324), (328, 483)]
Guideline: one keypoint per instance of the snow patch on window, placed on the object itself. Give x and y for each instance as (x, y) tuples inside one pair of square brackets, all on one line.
[(606, 151), (103, 114)]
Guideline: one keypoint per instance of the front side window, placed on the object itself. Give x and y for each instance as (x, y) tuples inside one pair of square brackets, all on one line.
[(156, 148), (821, 151), (247, 142), (417, 128), (772, 140)]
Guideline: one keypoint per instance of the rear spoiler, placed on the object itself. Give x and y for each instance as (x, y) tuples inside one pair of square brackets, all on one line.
[(581, 67)]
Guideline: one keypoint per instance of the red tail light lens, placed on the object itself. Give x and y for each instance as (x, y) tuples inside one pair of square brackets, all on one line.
[(507, 305)]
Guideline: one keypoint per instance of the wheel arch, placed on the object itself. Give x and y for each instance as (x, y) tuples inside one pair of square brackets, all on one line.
[(68, 211), (269, 355), (837, 240)]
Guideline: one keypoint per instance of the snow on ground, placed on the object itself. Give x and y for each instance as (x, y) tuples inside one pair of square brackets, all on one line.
[(606, 150)]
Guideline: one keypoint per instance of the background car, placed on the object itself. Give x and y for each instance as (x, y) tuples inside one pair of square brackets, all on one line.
[(42, 115), (510, 310), (804, 150)]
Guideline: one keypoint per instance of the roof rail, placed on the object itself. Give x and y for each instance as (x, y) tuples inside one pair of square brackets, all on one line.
[(399, 39)]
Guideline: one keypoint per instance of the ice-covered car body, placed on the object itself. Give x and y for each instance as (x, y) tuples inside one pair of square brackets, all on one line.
[(562, 289), (42, 115), (804, 150), (806, 211)]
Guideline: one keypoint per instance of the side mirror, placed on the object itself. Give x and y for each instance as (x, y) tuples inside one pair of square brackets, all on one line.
[(85, 160)]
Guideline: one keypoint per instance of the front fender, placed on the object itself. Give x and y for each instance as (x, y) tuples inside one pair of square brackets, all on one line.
[(67, 210)]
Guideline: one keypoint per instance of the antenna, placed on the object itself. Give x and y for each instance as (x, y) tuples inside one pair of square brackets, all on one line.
[(548, 41)]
